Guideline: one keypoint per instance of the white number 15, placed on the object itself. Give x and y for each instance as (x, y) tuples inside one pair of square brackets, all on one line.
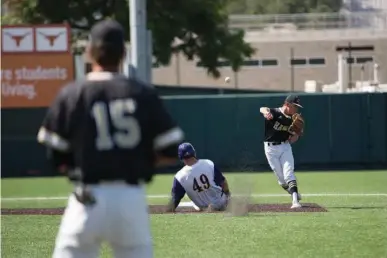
[(127, 131)]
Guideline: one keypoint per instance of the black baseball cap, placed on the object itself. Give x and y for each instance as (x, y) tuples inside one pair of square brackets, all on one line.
[(108, 33), (294, 99)]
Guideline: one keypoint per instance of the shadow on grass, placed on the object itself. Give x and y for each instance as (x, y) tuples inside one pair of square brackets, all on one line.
[(359, 207)]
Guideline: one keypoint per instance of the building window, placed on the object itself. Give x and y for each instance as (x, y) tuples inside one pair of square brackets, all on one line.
[(350, 60), (359, 60), (269, 62), (251, 63), (220, 64), (365, 59), (223, 63), (317, 61), (298, 61)]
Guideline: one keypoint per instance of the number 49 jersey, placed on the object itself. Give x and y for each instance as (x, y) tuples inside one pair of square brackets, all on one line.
[(111, 125), (201, 182)]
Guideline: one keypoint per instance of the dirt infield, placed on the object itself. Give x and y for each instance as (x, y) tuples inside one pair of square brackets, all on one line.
[(161, 209)]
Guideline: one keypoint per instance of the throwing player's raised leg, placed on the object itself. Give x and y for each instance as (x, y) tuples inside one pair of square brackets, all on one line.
[(200, 179), (279, 135)]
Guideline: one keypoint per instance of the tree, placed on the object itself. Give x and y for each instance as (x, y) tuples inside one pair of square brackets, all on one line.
[(197, 28)]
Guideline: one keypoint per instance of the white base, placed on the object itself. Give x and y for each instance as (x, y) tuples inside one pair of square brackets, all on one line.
[(188, 204)]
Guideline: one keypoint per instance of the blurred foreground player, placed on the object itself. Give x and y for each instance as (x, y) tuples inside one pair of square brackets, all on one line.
[(107, 133), (204, 184)]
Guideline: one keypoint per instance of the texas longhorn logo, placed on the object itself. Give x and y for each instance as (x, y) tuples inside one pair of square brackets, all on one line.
[(51, 38), (17, 38)]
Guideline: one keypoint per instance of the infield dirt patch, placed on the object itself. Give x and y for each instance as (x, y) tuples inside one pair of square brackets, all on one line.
[(161, 209)]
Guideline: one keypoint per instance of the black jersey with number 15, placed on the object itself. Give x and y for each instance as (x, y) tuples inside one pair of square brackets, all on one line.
[(276, 129), (112, 125)]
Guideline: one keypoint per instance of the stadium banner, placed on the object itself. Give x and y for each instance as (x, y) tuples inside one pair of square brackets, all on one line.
[(36, 62)]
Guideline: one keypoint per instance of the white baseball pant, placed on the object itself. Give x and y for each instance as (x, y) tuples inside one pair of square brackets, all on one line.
[(281, 161), (221, 203), (217, 204), (119, 217)]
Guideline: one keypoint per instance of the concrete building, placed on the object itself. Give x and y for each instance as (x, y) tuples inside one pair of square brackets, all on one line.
[(365, 5), (292, 50)]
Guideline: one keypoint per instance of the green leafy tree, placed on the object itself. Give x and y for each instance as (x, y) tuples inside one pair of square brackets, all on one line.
[(197, 28)]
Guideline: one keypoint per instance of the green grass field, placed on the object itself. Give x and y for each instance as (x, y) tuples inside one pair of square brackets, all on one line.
[(354, 226)]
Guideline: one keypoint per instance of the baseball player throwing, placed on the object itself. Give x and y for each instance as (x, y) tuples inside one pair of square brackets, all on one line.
[(204, 184), (283, 126)]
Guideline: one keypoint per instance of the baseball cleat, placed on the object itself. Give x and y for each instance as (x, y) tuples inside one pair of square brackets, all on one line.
[(296, 205), (298, 195)]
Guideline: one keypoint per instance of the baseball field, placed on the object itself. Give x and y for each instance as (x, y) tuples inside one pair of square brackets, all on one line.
[(345, 216)]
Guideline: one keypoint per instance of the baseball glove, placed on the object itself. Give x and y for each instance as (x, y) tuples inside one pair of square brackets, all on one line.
[(297, 126)]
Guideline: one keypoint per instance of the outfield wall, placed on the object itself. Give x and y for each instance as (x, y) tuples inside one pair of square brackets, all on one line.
[(168, 90), (341, 131)]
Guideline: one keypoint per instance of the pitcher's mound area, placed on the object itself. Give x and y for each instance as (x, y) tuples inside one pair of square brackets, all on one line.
[(161, 209)]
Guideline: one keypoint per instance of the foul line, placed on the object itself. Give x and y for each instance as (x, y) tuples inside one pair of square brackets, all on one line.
[(161, 196)]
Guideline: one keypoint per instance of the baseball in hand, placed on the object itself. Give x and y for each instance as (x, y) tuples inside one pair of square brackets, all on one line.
[(227, 79), (268, 116)]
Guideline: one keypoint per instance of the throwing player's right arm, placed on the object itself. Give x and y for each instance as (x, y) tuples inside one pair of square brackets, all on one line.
[(266, 112), (177, 194)]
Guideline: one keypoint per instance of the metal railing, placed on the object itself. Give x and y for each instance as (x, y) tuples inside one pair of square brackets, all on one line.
[(311, 21)]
